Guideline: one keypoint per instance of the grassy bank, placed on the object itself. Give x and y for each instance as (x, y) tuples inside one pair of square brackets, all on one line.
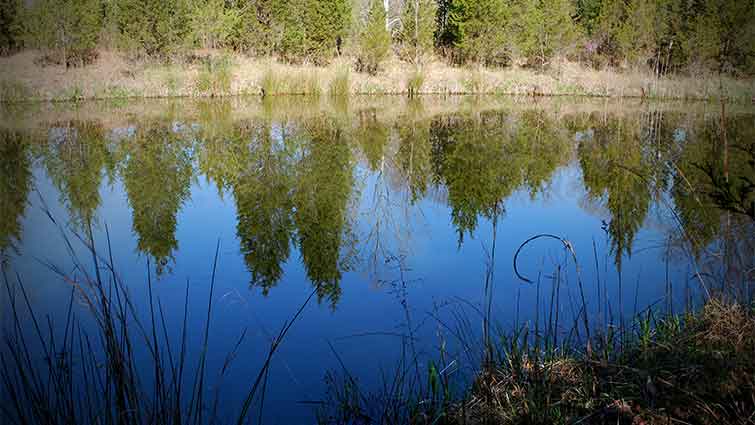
[(691, 368), (212, 74)]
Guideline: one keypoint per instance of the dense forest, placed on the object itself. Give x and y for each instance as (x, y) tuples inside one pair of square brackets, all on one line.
[(684, 36)]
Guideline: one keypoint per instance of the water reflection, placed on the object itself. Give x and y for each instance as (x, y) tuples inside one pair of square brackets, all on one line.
[(15, 185), (296, 181), (156, 172)]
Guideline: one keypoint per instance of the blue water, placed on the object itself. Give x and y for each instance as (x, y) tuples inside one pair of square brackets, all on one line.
[(400, 258)]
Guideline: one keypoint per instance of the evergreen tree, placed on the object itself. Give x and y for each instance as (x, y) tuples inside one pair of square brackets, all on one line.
[(543, 28), (418, 22), (721, 36), (327, 25), (644, 30), (374, 39), (212, 23), (15, 185), (10, 37), (152, 27), (477, 29), (68, 30)]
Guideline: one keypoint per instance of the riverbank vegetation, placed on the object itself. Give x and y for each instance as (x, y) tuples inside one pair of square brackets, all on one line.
[(134, 48), (691, 362)]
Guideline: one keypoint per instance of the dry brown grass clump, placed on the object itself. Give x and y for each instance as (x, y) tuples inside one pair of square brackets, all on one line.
[(696, 370)]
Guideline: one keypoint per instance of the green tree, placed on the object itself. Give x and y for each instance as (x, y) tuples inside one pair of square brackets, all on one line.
[(265, 207), (610, 20), (76, 162), (644, 31), (543, 29), (152, 27), (10, 30), (308, 29), (324, 179), (212, 23), (477, 30), (67, 30), (418, 24), (327, 24), (374, 39), (720, 37), (256, 28), (15, 185), (588, 15), (157, 177), (614, 170)]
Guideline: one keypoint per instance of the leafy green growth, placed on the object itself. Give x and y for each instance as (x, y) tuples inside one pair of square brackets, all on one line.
[(374, 40), (418, 23), (66, 30)]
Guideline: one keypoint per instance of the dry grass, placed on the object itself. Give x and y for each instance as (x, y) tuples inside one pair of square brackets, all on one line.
[(697, 370), (247, 76)]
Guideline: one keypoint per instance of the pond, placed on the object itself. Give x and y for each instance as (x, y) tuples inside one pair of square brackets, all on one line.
[(407, 220)]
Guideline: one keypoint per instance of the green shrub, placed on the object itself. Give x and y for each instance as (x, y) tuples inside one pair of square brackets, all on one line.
[(374, 40), (212, 23), (10, 31), (66, 30), (418, 23), (155, 28)]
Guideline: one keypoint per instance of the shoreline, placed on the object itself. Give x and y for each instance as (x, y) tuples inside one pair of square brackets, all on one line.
[(220, 76)]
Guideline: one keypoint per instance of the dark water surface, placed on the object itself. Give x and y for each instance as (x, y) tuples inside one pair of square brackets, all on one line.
[(396, 212)]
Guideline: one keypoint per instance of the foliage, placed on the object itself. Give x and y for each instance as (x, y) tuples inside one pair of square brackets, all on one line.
[(67, 30), (543, 29), (10, 31), (15, 185), (476, 165), (265, 208), (477, 29), (212, 23), (374, 40), (155, 28), (418, 23), (76, 166), (612, 173), (157, 177), (324, 179)]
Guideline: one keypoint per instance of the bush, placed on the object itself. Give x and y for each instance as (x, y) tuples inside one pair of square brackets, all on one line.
[(543, 29), (477, 30), (212, 23), (10, 36), (374, 40), (67, 30), (155, 28), (418, 23)]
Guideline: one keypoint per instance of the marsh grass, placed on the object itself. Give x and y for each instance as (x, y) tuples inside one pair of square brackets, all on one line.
[(14, 91), (100, 376), (415, 82), (696, 366), (215, 76), (276, 82), (340, 84)]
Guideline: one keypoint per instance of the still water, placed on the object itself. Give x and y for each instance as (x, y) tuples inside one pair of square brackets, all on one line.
[(396, 213)]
